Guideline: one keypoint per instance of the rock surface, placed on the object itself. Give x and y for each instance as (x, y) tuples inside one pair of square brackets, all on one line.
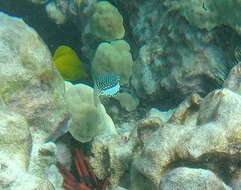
[(178, 51), (32, 106), (127, 101), (112, 157), (174, 58), (55, 13), (106, 23), (189, 179), (211, 132), (31, 85), (96, 21), (209, 14), (233, 81)]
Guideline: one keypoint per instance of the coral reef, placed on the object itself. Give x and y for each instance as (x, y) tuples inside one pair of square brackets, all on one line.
[(175, 123), (113, 57), (190, 178), (87, 178), (11, 121), (233, 80), (106, 23), (96, 21), (174, 53), (209, 14), (55, 14), (32, 107), (174, 59), (63, 155), (146, 127), (112, 156), (127, 101), (195, 135), (88, 120), (31, 87)]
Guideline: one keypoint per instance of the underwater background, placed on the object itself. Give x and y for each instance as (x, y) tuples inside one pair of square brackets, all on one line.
[(120, 95)]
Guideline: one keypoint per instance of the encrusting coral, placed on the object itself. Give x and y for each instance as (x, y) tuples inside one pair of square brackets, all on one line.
[(32, 107), (87, 178)]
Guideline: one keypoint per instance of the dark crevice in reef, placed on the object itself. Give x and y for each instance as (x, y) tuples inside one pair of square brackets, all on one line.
[(35, 16), (129, 10), (227, 39)]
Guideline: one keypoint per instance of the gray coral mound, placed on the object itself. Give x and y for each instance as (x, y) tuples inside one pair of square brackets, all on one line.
[(31, 107), (191, 179), (213, 130)]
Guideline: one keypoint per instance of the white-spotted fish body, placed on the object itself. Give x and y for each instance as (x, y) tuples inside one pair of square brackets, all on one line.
[(107, 84)]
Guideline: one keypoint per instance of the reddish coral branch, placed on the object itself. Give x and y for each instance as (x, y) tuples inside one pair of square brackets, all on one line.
[(80, 162), (82, 167), (68, 176), (78, 167), (83, 186), (105, 183), (69, 187), (93, 176), (88, 179)]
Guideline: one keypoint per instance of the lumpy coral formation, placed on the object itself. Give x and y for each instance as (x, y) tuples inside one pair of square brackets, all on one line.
[(210, 14), (188, 178), (32, 104), (106, 23), (211, 127), (88, 120), (113, 57)]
